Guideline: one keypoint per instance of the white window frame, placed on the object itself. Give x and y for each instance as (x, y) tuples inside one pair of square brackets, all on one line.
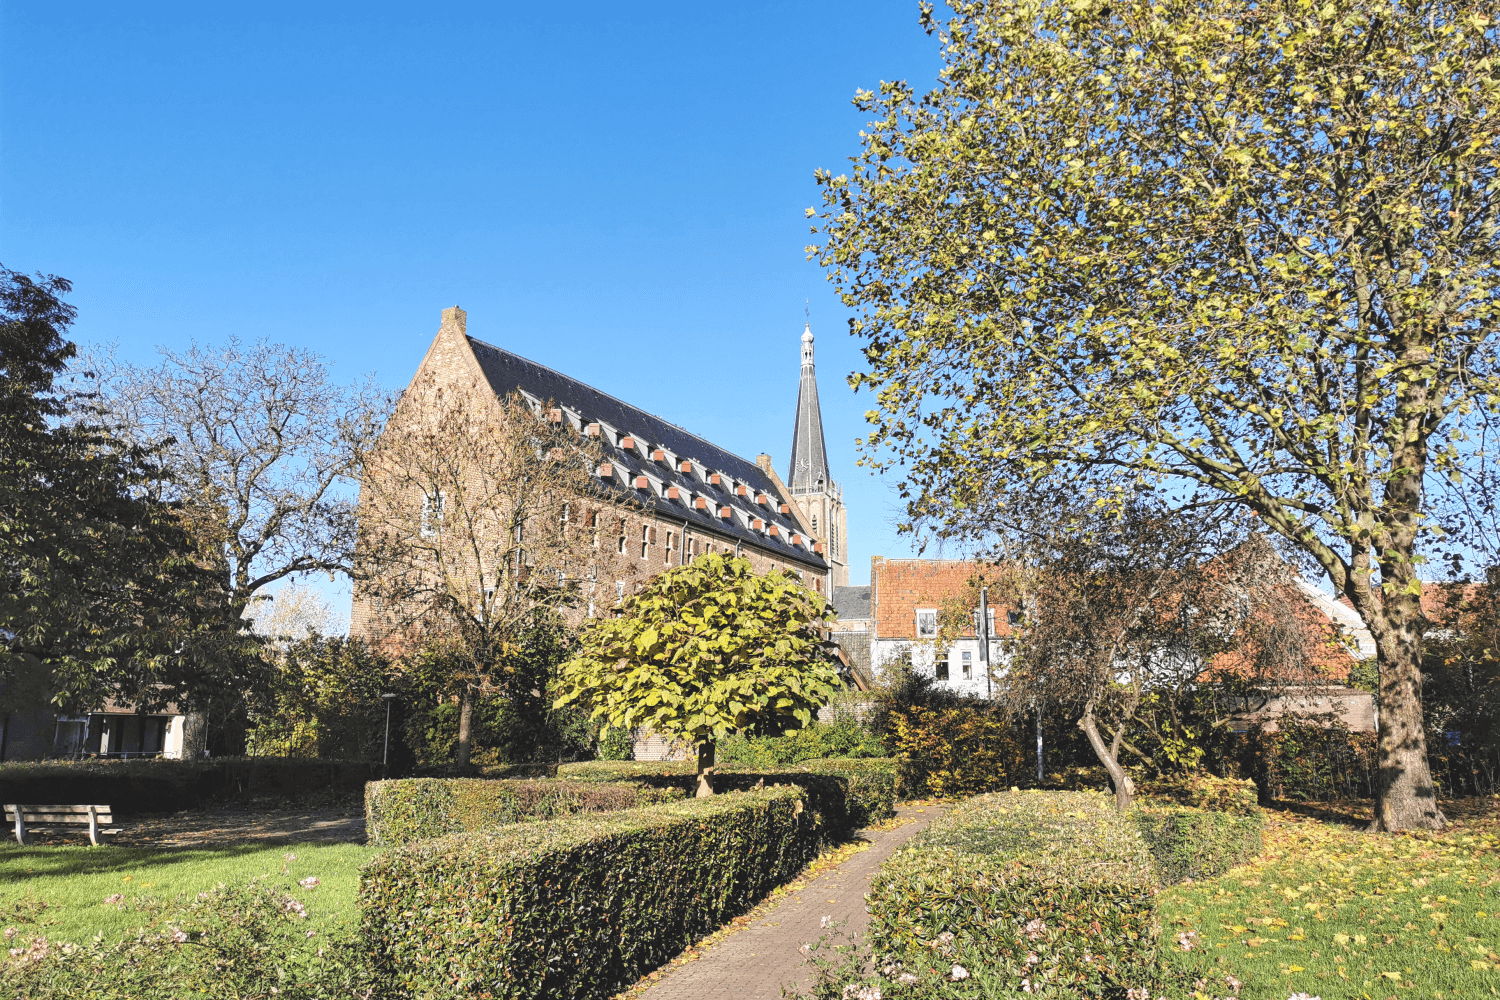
[(934, 623), (426, 527)]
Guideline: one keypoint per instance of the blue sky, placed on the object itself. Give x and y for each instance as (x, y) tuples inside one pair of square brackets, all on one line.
[(614, 190)]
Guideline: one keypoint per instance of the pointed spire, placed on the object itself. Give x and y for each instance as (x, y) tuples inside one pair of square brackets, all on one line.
[(809, 465)]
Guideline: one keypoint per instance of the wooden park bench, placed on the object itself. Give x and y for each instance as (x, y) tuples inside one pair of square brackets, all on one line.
[(44, 819)]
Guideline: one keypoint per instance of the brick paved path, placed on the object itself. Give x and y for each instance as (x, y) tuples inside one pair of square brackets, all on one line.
[(754, 963)]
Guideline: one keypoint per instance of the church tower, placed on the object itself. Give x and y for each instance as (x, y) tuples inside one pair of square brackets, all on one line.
[(812, 488)]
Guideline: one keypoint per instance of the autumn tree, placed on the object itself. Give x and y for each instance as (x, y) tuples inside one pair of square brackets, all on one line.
[(105, 591), (705, 650), (259, 445), (478, 514), (1244, 251), (1128, 617)]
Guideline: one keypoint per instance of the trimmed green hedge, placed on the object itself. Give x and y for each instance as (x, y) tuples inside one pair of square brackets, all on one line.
[(1046, 890), (1204, 791), (1198, 843), (400, 811), (577, 907), (868, 786), (617, 770)]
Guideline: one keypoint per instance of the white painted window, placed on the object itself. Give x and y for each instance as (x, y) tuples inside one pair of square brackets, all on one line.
[(926, 623), (434, 505), (968, 662)]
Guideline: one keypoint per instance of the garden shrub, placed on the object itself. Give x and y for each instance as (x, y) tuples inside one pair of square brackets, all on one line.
[(618, 770), (865, 791), (1198, 843), (397, 812), (1199, 790), (233, 941), (1045, 891), (577, 907), (959, 750), (845, 736)]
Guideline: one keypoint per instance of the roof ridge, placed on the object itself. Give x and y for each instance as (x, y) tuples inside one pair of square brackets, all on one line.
[(617, 399)]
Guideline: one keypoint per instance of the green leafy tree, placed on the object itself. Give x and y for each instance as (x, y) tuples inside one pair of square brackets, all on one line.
[(1231, 252), (105, 592), (703, 651)]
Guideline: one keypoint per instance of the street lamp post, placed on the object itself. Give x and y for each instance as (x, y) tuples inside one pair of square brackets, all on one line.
[(385, 756), (983, 631)]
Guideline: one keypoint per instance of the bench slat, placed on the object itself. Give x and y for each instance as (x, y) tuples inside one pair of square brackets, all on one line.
[(80, 810), (32, 818), (57, 814)]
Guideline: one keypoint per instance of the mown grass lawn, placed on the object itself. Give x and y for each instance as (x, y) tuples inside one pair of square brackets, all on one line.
[(1333, 912), (60, 891)]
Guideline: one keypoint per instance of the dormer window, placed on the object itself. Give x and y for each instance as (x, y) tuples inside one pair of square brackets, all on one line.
[(927, 623)]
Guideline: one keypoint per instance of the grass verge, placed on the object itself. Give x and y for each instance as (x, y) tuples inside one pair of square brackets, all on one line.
[(1330, 911), (61, 891)]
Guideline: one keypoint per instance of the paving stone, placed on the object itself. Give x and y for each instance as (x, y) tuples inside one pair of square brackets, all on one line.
[(755, 963)]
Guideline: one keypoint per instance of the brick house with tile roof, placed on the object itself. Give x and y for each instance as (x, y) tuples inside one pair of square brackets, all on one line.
[(905, 598)]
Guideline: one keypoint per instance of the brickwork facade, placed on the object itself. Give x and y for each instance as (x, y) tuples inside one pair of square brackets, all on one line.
[(691, 497)]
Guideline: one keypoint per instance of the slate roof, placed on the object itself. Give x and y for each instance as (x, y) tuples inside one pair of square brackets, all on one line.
[(583, 405), (852, 602)]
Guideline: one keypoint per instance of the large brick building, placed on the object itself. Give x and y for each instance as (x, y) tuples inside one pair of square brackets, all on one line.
[(692, 497)]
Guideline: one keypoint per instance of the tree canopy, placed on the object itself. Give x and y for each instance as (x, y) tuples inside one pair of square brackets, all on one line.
[(1230, 252), (705, 650), (104, 590)]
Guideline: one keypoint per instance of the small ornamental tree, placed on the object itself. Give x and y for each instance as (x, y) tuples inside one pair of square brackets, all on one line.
[(705, 650)]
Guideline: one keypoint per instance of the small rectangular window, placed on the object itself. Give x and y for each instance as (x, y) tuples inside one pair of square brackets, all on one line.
[(926, 624), (645, 539), (621, 547), (942, 669), (434, 505), (968, 662), (666, 556)]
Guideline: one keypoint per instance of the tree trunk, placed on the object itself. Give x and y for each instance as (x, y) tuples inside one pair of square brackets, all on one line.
[(1405, 798), (705, 769), (1124, 787), (465, 725)]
